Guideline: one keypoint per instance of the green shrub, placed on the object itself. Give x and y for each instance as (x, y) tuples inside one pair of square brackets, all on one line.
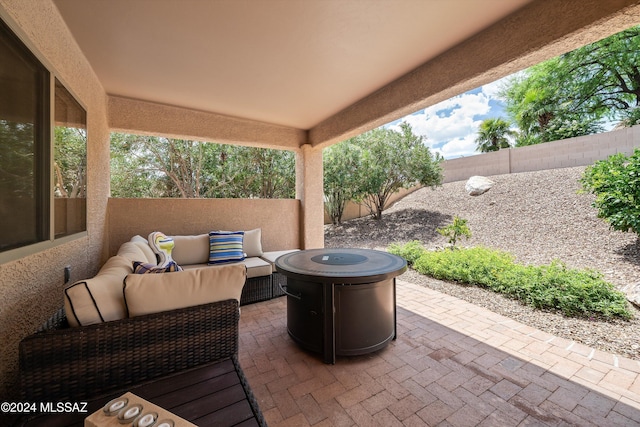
[(616, 184), (410, 251), (574, 292), (455, 230)]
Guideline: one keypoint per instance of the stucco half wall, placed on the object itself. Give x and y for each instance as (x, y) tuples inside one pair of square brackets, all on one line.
[(279, 219)]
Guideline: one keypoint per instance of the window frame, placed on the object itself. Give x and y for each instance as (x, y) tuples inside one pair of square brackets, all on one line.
[(44, 162)]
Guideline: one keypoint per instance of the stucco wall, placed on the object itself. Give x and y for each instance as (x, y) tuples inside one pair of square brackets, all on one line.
[(129, 115), (580, 151), (31, 286), (279, 219)]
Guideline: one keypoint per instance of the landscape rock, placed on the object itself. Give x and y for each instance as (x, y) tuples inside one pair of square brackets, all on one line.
[(632, 291), (477, 185)]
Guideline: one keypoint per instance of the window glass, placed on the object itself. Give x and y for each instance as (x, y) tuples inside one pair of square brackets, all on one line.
[(24, 145), (70, 164)]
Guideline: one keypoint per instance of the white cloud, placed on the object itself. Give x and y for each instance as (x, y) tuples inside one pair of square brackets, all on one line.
[(459, 147), (450, 127), (454, 121)]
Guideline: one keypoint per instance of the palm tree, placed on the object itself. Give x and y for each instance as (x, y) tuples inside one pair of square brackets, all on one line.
[(492, 135)]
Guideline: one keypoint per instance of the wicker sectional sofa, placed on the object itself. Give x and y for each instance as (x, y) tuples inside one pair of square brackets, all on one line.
[(126, 333), (100, 298)]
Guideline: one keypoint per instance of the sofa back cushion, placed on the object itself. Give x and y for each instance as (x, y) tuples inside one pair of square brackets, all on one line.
[(152, 293), (98, 299), (143, 244), (252, 242), (191, 249), (134, 251)]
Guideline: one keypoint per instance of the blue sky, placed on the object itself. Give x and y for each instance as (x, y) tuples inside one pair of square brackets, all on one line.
[(450, 127)]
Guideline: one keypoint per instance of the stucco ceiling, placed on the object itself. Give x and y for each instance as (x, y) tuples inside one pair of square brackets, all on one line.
[(286, 62)]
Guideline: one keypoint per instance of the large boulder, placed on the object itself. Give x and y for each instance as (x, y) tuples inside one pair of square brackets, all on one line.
[(477, 185)]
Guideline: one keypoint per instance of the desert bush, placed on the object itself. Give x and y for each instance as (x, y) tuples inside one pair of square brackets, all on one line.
[(574, 292), (616, 184), (454, 231)]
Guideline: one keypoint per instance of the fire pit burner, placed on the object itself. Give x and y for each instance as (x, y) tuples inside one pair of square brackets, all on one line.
[(339, 259)]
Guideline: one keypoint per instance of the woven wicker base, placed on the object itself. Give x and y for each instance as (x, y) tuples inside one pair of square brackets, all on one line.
[(279, 282), (256, 289), (76, 363)]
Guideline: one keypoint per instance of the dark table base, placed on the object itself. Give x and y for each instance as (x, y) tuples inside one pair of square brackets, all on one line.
[(341, 319)]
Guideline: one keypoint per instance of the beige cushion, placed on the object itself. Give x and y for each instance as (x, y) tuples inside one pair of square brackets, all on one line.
[(152, 293), (191, 249), (256, 267), (98, 299), (143, 244), (252, 242), (272, 256), (133, 252)]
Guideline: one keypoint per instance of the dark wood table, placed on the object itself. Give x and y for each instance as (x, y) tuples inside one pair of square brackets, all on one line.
[(341, 301), (211, 395)]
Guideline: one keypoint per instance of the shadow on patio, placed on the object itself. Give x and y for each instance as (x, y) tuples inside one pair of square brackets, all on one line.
[(453, 364)]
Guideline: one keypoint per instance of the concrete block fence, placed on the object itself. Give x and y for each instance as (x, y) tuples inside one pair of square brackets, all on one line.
[(579, 151)]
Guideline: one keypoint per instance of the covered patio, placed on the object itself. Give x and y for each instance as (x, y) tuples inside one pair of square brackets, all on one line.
[(300, 76)]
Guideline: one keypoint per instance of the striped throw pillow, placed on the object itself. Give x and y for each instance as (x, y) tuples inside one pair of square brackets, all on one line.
[(146, 268), (225, 246)]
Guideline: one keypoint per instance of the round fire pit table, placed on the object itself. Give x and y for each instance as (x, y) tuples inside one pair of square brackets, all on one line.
[(341, 301)]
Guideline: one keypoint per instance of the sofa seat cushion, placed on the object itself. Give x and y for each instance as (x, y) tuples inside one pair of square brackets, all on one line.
[(255, 266), (98, 299), (272, 256), (153, 293)]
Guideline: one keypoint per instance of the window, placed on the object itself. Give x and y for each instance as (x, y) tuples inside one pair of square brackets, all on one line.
[(24, 145), (42, 183), (69, 164)]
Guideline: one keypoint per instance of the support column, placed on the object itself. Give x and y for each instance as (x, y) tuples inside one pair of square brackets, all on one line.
[(310, 192)]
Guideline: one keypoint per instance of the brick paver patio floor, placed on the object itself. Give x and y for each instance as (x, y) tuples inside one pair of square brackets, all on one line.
[(453, 364)]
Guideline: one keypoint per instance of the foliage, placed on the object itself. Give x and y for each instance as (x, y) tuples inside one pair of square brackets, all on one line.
[(342, 167), (146, 166), (410, 251), (573, 94), (259, 172), (492, 135), (392, 160), (574, 292), (454, 231), (616, 184), (70, 162)]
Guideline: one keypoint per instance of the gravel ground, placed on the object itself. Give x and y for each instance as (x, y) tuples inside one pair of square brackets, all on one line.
[(536, 216)]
